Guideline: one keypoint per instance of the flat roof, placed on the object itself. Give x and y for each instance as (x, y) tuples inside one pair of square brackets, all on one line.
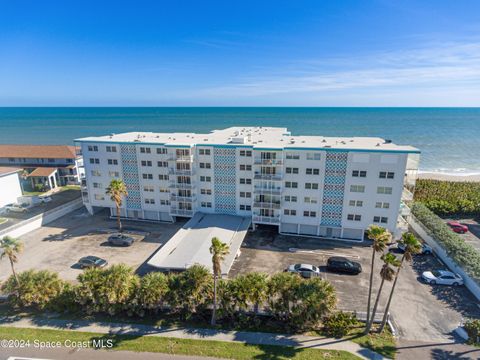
[(255, 137), (191, 244), (6, 170)]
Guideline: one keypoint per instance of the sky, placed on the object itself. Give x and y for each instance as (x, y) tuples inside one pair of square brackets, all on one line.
[(240, 53)]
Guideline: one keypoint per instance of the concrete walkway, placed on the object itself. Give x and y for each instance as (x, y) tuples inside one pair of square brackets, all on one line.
[(257, 338)]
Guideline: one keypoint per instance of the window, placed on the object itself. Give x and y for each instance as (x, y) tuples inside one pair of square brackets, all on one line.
[(359, 173), (145, 150), (386, 175), (148, 188), (204, 151), (112, 162), (164, 202), (92, 148), (357, 188), (245, 181), (111, 149), (113, 173), (290, 170), (147, 176), (384, 190), (163, 177), (205, 179), (353, 217), (163, 190), (290, 212), (149, 201), (206, 204), (313, 186), (313, 156), (146, 163), (310, 213), (245, 194), (292, 156), (95, 173), (162, 163), (161, 150), (380, 219), (245, 167), (310, 171), (309, 200), (94, 161), (99, 197), (291, 184), (382, 205), (357, 203), (13, 160), (206, 191), (247, 153), (290, 198), (97, 185), (205, 165)]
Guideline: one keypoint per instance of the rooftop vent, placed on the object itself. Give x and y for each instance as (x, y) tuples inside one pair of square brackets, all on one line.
[(324, 141), (388, 141), (378, 144)]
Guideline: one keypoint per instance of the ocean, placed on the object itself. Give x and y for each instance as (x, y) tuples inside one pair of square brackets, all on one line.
[(449, 138)]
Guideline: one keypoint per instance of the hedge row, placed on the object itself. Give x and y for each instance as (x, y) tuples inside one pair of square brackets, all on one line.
[(449, 198), (465, 255)]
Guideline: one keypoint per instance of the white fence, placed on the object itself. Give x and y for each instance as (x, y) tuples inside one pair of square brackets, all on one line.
[(442, 254), (39, 220)]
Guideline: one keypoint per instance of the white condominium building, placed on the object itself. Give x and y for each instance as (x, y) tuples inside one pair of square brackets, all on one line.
[(307, 185)]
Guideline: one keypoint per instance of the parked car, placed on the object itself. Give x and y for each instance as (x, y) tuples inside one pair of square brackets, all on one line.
[(92, 261), (19, 208), (304, 270), (442, 277), (457, 227), (45, 199), (426, 250), (341, 264), (120, 240)]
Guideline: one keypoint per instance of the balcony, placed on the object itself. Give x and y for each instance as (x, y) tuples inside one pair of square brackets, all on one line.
[(276, 177), (266, 219), (175, 185), (404, 209), (267, 205), (182, 158), (181, 212), (267, 190), (178, 198), (271, 162), (183, 172), (407, 195)]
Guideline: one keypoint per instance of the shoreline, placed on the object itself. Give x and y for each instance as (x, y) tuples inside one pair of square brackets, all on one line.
[(448, 177)]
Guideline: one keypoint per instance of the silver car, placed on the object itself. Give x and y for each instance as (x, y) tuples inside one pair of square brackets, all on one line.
[(16, 208), (304, 270), (442, 277)]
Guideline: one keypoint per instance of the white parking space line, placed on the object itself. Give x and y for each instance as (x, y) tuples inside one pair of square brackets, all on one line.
[(323, 253)]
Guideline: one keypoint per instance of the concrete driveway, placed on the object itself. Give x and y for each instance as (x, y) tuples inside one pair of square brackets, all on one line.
[(60, 244), (421, 312)]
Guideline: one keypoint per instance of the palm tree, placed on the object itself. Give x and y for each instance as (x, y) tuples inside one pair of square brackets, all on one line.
[(386, 273), (412, 246), (117, 190), (218, 250), (380, 237), (11, 248)]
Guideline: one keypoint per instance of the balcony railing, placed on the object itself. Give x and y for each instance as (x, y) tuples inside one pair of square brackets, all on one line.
[(267, 219), (181, 212), (407, 195), (184, 172), (273, 162), (181, 158), (267, 190), (178, 198), (277, 176), (175, 185), (267, 205), (404, 209)]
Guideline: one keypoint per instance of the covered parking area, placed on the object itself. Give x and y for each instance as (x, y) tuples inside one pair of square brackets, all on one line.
[(190, 245)]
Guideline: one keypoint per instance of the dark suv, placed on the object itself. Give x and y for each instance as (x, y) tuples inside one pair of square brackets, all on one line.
[(341, 264)]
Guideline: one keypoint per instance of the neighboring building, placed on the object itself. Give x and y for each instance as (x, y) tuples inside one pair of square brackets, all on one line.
[(308, 185), (47, 165), (10, 189)]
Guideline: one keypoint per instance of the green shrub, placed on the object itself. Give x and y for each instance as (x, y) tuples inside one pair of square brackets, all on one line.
[(150, 295), (465, 255), (449, 198), (38, 289), (339, 324), (472, 327)]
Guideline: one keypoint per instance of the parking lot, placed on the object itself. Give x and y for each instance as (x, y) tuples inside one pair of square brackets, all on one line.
[(59, 245), (472, 237), (420, 311)]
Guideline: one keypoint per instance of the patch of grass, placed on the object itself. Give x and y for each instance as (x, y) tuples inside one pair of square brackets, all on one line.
[(63, 188), (3, 220), (172, 346), (383, 343)]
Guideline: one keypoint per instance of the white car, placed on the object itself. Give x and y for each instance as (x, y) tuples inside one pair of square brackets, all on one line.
[(442, 277), (304, 270), (45, 199), (16, 208)]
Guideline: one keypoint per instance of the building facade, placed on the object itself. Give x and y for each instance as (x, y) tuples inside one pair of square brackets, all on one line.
[(10, 189), (305, 185), (45, 165)]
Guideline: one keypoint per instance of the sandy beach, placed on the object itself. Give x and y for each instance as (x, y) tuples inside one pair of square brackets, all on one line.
[(448, 177)]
